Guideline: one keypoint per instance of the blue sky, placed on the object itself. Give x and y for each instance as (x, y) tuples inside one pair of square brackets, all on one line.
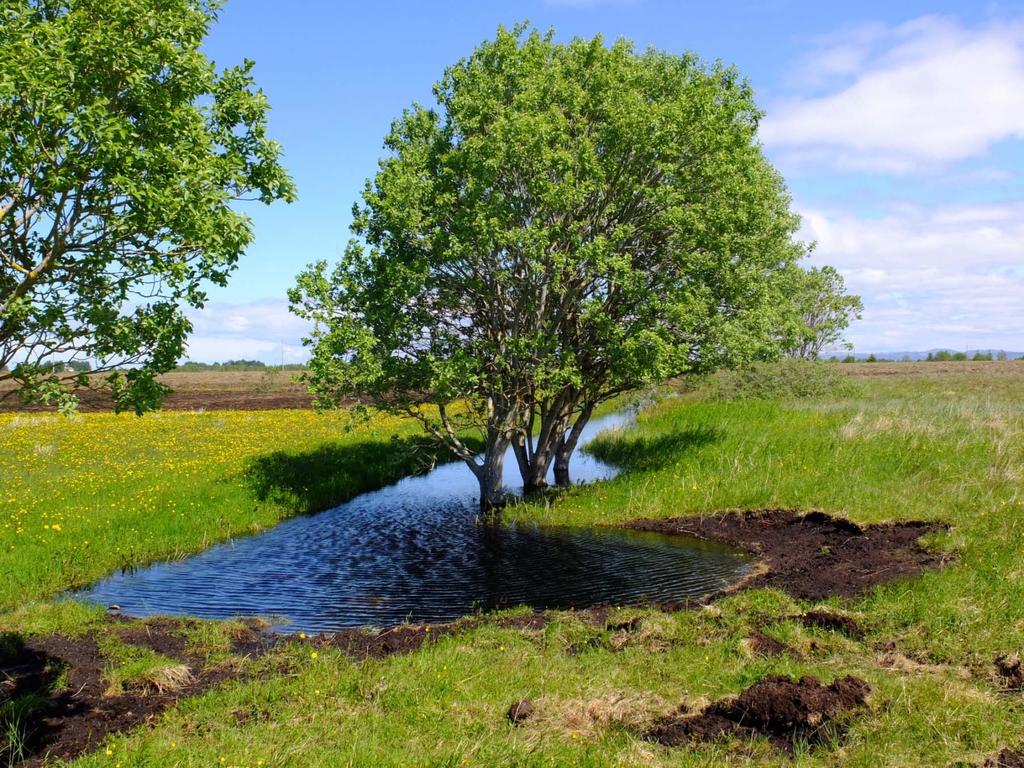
[(898, 126)]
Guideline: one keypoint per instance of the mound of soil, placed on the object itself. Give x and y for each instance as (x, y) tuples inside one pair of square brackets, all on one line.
[(1010, 671), (775, 707), (761, 644), (833, 622), (520, 711), (77, 718), (813, 556), (1006, 759), (364, 644)]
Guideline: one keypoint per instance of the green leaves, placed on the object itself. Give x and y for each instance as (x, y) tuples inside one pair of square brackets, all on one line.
[(125, 153), (822, 311), (567, 222)]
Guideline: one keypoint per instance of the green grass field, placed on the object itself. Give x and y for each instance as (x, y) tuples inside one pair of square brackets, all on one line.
[(934, 444)]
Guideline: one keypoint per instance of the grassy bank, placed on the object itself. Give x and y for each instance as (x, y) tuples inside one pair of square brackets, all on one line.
[(941, 447)]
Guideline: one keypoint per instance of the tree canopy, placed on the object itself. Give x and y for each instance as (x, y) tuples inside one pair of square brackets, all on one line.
[(122, 153), (824, 310), (567, 223)]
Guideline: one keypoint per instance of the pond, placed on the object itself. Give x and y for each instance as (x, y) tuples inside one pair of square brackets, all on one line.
[(417, 551)]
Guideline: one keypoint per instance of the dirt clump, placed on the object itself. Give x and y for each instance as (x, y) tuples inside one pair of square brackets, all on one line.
[(777, 707), (1006, 759), (528, 622), (631, 624), (365, 644), (75, 718), (833, 622), (163, 636), (1010, 671), (520, 711), (813, 556), (760, 644), (250, 714)]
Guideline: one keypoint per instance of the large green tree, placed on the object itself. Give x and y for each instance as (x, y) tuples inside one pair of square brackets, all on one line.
[(122, 152), (567, 223)]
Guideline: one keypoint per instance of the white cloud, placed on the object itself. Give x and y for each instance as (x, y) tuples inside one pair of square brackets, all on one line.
[(914, 97), (259, 330), (952, 276), (838, 55), (952, 237)]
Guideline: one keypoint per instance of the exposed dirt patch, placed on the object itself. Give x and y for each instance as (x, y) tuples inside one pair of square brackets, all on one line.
[(813, 556), (364, 644), (161, 635), (776, 707), (248, 639), (529, 622), (520, 711), (833, 622), (891, 658), (1010, 671), (1006, 759), (75, 719), (250, 714), (631, 624), (757, 643)]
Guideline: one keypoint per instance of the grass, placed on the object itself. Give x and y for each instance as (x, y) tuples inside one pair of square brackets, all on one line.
[(134, 668), (942, 446)]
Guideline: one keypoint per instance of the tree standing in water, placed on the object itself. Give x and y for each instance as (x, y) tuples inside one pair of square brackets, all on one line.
[(569, 222)]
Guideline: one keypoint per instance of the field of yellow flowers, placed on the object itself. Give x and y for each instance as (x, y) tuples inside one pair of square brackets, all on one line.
[(81, 497)]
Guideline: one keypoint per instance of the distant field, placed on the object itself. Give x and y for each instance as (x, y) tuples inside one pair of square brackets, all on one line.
[(205, 390), (260, 390), (967, 368)]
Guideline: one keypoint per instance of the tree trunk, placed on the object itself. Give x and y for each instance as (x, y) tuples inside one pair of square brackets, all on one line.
[(550, 441), (562, 469), (568, 445), (522, 454), (490, 475), (536, 478)]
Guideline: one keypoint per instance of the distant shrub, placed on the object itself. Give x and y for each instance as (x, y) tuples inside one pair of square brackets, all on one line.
[(946, 356), (784, 380), (70, 366), (230, 365)]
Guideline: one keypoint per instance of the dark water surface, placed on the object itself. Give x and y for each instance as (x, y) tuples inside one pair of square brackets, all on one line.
[(416, 551)]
